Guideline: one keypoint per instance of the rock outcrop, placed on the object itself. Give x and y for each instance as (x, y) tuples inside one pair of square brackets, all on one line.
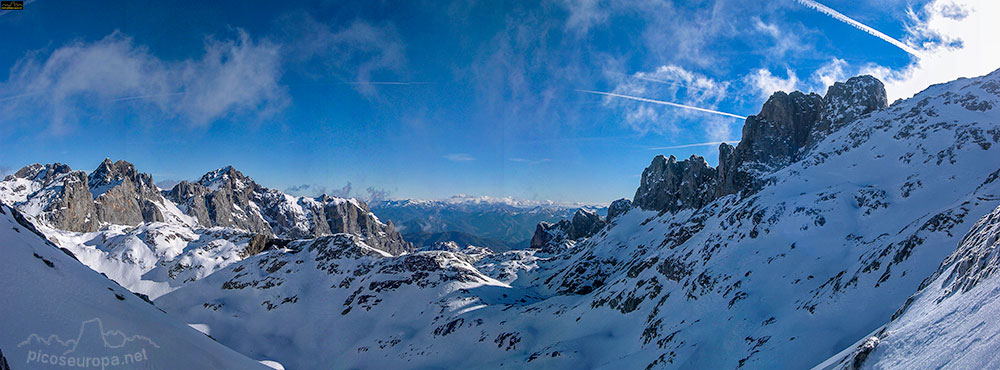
[(669, 185), (115, 193), (548, 236), (224, 198), (227, 198), (618, 207), (122, 195), (3, 362), (786, 127)]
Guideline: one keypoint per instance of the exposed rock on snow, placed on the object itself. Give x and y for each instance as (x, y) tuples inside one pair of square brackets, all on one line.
[(950, 321), (552, 237), (618, 207), (786, 126), (227, 198), (120, 224)]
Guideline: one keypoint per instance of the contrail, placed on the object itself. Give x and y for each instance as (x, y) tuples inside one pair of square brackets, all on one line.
[(20, 96), (145, 96), (662, 103), (843, 18), (713, 143), (387, 83)]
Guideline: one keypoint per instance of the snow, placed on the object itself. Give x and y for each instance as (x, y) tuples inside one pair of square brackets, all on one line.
[(785, 278), (155, 258), (950, 322), (51, 298)]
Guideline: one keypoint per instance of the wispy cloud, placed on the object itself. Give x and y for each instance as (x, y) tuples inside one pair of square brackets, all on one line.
[(529, 161), (459, 157), (237, 76), (661, 102), (843, 18), (356, 54)]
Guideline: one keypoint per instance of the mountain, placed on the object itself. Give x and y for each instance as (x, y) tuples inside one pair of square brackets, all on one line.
[(56, 310), (151, 241), (114, 193), (810, 233), (227, 198), (508, 220), (948, 323), (464, 239)]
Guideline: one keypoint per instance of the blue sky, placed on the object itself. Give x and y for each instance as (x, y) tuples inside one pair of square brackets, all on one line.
[(427, 99)]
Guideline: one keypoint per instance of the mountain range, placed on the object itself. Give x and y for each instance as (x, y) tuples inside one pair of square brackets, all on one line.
[(500, 223), (841, 232)]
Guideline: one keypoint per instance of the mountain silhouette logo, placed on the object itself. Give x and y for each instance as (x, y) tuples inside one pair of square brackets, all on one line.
[(94, 346)]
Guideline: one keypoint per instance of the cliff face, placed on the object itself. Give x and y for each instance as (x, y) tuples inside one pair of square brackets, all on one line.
[(122, 195), (551, 237), (786, 127), (115, 193), (227, 198)]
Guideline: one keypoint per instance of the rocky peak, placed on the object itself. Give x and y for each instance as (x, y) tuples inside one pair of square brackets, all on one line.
[(227, 198), (44, 174), (110, 174), (227, 177), (618, 207), (846, 101), (669, 185), (71, 206), (550, 236), (787, 125), (586, 223), (775, 135)]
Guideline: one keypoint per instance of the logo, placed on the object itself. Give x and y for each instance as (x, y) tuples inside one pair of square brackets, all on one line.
[(11, 5), (94, 347)]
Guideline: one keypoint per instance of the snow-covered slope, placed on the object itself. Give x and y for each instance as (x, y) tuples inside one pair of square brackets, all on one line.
[(951, 321), (791, 257), (55, 309), (335, 302)]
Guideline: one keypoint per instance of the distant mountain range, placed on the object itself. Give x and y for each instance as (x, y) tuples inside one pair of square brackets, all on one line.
[(503, 223)]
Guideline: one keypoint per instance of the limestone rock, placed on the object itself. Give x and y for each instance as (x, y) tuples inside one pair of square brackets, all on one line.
[(550, 236), (618, 207), (670, 185), (72, 207), (782, 133)]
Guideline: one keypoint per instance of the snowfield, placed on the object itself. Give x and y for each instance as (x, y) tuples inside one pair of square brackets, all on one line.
[(56, 307)]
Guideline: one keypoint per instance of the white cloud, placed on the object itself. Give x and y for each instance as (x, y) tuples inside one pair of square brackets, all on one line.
[(529, 161), (785, 41), (669, 85), (767, 83), (583, 14), (958, 38), (233, 77), (827, 74), (459, 157)]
